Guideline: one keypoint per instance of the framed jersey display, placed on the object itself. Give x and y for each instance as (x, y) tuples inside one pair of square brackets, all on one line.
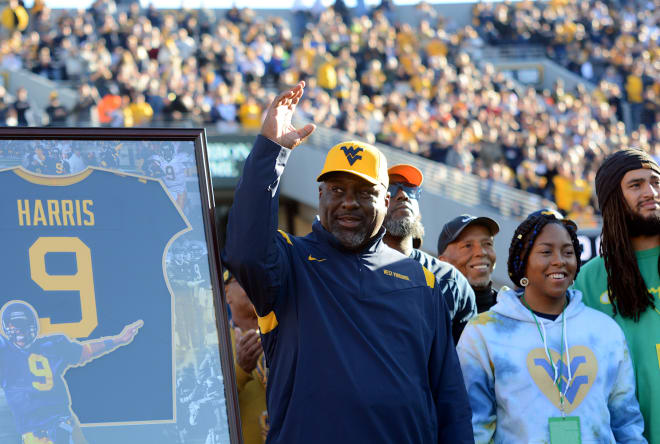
[(114, 326)]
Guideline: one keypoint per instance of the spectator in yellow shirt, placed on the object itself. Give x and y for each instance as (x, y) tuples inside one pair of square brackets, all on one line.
[(140, 111), (14, 16), (248, 362), (327, 75), (635, 94), (570, 189), (249, 114)]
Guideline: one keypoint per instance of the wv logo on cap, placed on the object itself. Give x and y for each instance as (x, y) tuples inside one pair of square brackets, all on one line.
[(352, 154)]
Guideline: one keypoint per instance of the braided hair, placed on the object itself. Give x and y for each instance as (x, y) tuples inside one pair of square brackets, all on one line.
[(625, 285), (524, 238)]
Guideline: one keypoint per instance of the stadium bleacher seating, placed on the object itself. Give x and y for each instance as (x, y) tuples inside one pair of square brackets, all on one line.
[(415, 88)]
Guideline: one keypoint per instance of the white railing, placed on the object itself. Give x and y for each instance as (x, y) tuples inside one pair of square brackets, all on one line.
[(513, 51)]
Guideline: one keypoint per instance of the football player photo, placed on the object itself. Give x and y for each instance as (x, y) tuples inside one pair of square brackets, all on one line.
[(32, 369), (173, 167), (105, 236)]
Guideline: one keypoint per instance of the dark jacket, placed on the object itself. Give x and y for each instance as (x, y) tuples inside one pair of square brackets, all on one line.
[(455, 289), (486, 298), (358, 344)]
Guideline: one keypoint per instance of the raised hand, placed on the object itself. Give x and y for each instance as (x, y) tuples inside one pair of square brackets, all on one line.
[(277, 125)]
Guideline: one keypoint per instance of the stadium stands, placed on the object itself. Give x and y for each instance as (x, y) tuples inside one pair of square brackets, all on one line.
[(413, 87)]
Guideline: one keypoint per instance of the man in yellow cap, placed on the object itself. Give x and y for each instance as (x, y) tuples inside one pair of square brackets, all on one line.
[(404, 224), (357, 337)]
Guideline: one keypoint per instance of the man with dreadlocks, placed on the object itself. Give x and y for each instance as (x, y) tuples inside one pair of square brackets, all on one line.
[(625, 280)]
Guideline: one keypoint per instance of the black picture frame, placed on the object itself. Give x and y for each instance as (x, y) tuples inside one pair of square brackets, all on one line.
[(152, 137)]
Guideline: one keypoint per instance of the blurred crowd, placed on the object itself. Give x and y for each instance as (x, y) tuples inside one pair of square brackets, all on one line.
[(414, 87), (612, 44)]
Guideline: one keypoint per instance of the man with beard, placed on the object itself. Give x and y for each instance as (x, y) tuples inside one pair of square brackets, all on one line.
[(356, 335), (403, 223), (624, 281), (467, 243)]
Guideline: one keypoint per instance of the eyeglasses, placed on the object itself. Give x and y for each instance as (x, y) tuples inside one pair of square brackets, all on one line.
[(412, 192)]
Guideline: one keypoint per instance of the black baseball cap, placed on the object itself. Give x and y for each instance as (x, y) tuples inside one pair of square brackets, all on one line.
[(455, 227)]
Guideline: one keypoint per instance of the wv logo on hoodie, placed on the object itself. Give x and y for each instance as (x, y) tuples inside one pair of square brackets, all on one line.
[(584, 368)]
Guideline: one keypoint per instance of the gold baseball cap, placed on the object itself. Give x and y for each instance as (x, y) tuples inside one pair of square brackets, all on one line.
[(358, 158)]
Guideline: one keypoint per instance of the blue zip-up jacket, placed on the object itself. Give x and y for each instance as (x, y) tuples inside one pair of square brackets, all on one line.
[(358, 345), (455, 288)]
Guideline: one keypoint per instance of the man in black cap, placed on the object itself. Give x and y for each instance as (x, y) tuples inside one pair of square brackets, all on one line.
[(403, 223), (466, 242), (624, 280)]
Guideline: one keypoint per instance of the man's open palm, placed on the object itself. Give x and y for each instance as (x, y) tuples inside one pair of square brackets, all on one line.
[(277, 125)]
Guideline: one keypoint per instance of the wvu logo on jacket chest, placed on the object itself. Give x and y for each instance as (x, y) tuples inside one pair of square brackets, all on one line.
[(352, 153), (584, 368)]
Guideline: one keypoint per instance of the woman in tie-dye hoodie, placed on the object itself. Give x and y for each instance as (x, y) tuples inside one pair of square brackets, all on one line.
[(513, 387)]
